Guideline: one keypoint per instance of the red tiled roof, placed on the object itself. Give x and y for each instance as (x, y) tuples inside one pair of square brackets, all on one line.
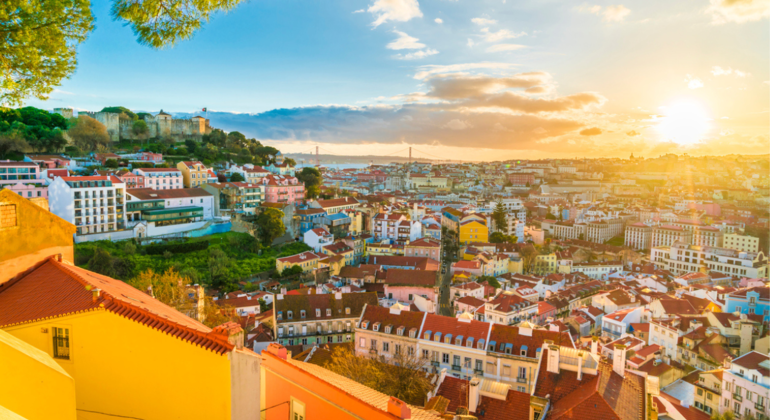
[(532, 339), (301, 257), (423, 278), (406, 319), (53, 289), (451, 325), (470, 301)]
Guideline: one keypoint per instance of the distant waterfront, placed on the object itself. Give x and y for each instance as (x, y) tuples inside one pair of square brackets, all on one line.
[(337, 166)]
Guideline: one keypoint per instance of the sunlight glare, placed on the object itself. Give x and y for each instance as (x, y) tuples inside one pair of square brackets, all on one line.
[(684, 122)]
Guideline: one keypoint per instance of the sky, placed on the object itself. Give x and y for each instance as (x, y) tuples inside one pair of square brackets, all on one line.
[(454, 79)]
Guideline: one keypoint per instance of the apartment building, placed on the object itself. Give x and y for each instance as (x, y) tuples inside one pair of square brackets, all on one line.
[(318, 318), (23, 178), (746, 386), (599, 270), (194, 173), (638, 236), (283, 189), (94, 204), (755, 300), (682, 258), (161, 178), (385, 225), (707, 236), (508, 308), (521, 179), (616, 324), (237, 197), (250, 173), (667, 235), (740, 242), (390, 333), (424, 247), (168, 211)]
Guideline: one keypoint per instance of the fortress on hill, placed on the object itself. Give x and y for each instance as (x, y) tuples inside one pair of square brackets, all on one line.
[(160, 125)]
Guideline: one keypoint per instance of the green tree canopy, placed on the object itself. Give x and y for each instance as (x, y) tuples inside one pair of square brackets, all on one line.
[(88, 134), (312, 179), (270, 225), (121, 110), (236, 177), (498, 216), (216, 137)]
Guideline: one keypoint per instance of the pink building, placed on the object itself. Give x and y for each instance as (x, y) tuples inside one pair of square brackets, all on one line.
[(151, 157), (23, 178), (160, 178), (424, 247), (131, 179), (283, 189)]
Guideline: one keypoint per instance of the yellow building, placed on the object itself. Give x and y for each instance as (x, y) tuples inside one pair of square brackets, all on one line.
[(515, 266), (384, 249), (194, 173), (544, 264), (29, 234), (473, 230), (308, 260), (32, 385), (130, 356)]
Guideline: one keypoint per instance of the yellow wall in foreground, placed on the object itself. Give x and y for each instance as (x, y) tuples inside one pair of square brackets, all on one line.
[(124, 368), (32, 385)]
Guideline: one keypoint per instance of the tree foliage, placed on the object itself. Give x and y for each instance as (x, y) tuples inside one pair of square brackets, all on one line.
[(140, 129), (499, 237), (39, 129), (404, 379), (236, 177), (88, 134), (270, 225), (38, 41), (312, 179), (498, 216)]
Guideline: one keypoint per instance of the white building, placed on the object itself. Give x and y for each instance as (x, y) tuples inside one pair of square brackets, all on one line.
[(162, 212), (597, 270), (318, 238), (746, 386), (666, 335), (616, 324), (682, 258), (739, 242), (638, 236), (94, 204), (161, 178)]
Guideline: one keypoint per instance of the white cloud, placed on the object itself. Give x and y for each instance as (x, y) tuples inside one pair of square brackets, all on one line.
[(438, 20), (616, 13), (359, 11), (505, 47), (426, 71), (395, 10), (500, 35), (738, 11), (457, 124), (483, 21), (693, 82), (613, 13), (719, 71), (471, 43), (416, 55), (405, 42)]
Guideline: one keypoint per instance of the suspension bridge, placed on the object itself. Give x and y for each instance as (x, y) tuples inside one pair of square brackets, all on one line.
[(410, 153)]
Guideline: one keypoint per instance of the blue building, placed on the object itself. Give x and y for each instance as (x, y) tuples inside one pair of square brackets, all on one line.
[(755, 300), (309, 219)]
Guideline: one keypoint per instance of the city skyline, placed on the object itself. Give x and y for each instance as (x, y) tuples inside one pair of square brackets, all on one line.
[(482, 80)]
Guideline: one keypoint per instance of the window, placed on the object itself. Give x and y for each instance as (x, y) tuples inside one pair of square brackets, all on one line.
[(397, 349), (522, 372), (297, 410), (302, 314), (362, 342), (328, 312), (700, 392), (61, 343), (425, 354), (385, 347), (445, 358), (317, 313), (374, 344), (347, 311), (456, 361), (289, 315)]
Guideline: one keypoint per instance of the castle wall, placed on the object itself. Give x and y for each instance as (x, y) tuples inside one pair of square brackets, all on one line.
[(158, 127)]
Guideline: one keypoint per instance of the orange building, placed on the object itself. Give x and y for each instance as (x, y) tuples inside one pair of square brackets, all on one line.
[(296, 390)]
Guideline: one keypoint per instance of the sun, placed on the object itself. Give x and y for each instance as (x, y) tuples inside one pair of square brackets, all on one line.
[(684, 122)]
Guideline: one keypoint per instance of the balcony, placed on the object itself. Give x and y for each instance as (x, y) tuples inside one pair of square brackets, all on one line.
[(759, 407), (435, 363), (478, 371), (456, 367), (521, 380), (372, 351), (737, 397)]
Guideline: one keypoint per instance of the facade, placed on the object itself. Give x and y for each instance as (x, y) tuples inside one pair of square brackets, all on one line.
[(318, 238), (309, 218), (707, 236), (755, 300), (94, 204), (638, 236), (237, 197), (597, 270), (335, 205), (385, 225), (389, 333), (746, 386), (318, 318), (616, 324), (474, 230), (23, 178), (668, 235), (307, 260), (250, 173), (742, 243), (682, 258), (156, 212), (521, 179), (283, 189), (161, 178), (194, 174)]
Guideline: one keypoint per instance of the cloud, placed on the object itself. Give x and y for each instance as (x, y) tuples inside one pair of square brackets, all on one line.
[(616, 13), (593, 131), (456, 125), (613, 13), (359, 11), (426, 71), (693, 82), (500, 35), (416, 55), (738, 11), (505, 47), (633, 133), (404, 42), (483, 21), (394, 10), (438, 20), (457, 86), (470, 42), (719, 71)]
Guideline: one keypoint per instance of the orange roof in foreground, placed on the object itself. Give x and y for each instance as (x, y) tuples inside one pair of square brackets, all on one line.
[(53, 289)]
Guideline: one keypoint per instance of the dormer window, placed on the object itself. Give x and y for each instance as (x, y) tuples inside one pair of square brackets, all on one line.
[(328, 312), (347, 311), (289, 315), (459, 341), (400, 331), (413, 333), (364, 324), (376, 326), (427, 335), (480, 345), (437, 337), (280, 315), (448, 339), (317, 313), (302, 314), (469, 342), (388, 329)]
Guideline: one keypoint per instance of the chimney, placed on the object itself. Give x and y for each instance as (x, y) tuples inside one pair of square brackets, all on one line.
[(338, 296), (619, 359), (96, 293), (474, 394), (553, 358), (277, 350), (594, 345), (399, 408), (283, 290)]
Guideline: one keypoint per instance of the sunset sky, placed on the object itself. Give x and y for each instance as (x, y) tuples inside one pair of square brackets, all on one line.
[(464, 79)]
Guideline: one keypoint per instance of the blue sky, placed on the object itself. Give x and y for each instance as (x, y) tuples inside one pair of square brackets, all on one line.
[(481, 79)]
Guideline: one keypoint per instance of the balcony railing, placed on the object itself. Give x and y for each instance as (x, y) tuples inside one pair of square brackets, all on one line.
[(478, 371), (435, 363), (737, 397), (521, 380), (456, 367), (759, 407)]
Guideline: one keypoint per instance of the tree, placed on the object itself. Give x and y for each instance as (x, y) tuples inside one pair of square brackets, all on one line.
[(235, 138), (291, 271), (270, 225), (290, 162), (312, 179), (263, 306), (169, 287), (38, 45), (125, 112), (236, 177), (140, 129), (219, 265), (528, 256), (88, 134), (404, 379), (498, 237), (101, 262), (492, 281), (12, 141), (550, 216), (498, 216), (216, 137), (111, 163), (217, 312)]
